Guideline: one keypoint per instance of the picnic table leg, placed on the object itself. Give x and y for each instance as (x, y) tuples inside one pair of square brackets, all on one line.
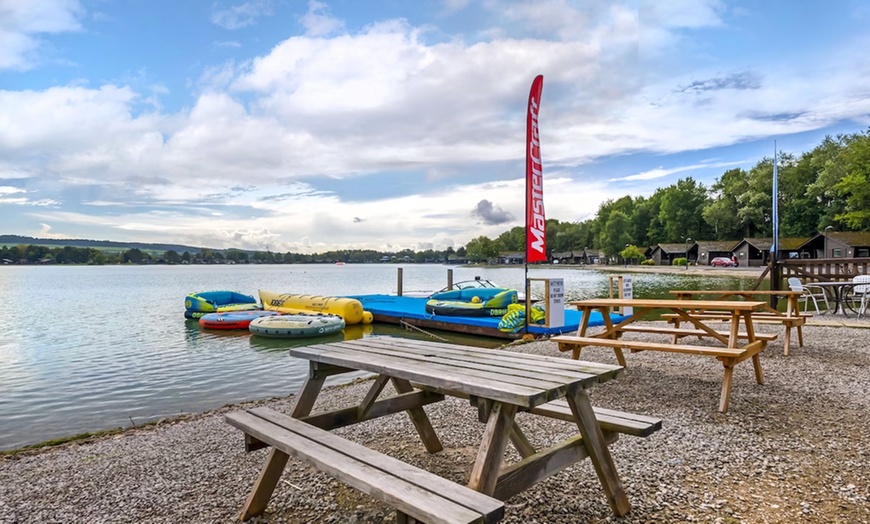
[(726, 385), (518, 438), (265, 485), (800, 336), (593, 440), (787, 340), (756, 359), (484, 475), (608, 325), (420, 419), (271, 472), (581, 330)]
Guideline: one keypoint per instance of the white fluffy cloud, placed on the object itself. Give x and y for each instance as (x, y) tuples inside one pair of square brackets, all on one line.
[(24, 22)]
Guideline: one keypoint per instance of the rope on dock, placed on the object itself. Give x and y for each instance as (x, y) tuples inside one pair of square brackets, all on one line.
[(411, 327)]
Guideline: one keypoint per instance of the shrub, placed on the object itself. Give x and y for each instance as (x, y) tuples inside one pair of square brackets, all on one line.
[(648, 262), (679, 261)]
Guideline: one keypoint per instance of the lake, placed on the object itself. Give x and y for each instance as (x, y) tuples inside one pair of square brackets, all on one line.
[(89, 348)]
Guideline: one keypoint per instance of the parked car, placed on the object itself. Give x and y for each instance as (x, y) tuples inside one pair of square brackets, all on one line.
[(723, 262)]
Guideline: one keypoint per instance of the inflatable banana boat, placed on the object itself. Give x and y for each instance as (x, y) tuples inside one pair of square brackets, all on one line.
[(349, 309)]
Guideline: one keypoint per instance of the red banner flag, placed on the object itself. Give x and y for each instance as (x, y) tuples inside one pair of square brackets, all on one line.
[(536, 221)]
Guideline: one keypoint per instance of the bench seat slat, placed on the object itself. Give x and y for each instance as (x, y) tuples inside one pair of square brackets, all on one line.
[(411, 490), (566, 342), (756, 317), (691, 332), (608, 419)]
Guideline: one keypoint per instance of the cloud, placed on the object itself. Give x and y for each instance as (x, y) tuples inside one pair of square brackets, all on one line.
[(660, 172), (23, 23), (491, 214), (318, 22), (227, 44), (742, 80), (242, 15)]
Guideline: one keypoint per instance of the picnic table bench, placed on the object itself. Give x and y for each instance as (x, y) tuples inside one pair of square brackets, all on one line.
[(790, 318), (730, 353), (498, 383)]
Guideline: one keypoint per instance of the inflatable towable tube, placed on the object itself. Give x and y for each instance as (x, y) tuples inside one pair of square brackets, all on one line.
[(198, 304), (297, 326), (349, 309), (495, 306)]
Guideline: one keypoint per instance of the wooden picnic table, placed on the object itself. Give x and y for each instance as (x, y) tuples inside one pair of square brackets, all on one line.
[(790, 318), (498, 383), (736, 345)]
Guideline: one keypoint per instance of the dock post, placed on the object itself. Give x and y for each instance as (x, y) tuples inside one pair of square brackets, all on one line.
[(449, 278), (399, 283)]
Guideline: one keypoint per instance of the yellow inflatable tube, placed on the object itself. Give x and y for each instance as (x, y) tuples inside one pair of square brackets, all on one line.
[(349, 309)]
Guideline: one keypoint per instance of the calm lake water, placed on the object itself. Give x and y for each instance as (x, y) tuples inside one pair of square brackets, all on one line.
[(88, 348)]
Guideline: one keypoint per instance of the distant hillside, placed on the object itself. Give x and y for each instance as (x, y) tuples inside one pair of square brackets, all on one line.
[(15, 240)]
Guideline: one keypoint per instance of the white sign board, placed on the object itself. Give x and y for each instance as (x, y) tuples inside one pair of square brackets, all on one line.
[(627, 294), (556, 302)]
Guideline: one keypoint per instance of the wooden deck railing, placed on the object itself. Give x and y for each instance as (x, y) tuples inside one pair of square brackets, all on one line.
[(825, 269)]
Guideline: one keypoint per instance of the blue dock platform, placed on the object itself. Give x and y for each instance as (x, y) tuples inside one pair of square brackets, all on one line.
[(412, 310)]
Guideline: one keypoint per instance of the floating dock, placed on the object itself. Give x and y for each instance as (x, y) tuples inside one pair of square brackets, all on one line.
[(394, 309)]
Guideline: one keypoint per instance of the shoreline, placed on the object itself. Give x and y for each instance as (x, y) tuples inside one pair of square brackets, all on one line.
[(749, 465)]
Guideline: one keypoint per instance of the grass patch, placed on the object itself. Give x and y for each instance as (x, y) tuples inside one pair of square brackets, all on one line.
[(81, 437)]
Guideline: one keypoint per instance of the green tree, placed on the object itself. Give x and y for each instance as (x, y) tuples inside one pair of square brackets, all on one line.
[(481, 249), (615, 234), (681, 210), (722, 213)]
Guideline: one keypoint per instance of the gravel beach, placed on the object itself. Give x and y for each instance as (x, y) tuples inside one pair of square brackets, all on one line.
[(795, 449)]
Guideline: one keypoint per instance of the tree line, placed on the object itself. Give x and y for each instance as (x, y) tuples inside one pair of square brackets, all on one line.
[(38, 254)]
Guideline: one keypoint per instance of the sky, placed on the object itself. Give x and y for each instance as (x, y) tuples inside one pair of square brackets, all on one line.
[(308, 126)]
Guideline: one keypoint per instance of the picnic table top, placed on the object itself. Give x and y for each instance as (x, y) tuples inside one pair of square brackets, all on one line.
[(728, 305), (515, 378), (728, 292)]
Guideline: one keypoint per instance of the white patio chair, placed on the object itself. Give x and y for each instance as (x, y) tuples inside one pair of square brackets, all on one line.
[(862, 290), (809, 293)]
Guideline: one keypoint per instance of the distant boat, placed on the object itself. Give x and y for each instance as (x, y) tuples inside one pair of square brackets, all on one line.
[(339, 263)]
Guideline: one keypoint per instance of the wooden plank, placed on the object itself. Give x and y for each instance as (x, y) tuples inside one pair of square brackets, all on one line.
[(734, 292), (377, 387), (304, 401), (416, 492), (524, 474), (642, 346), (520, 360), (419, 419), (444, 377), (490, 456), (609, 420), (727, 305), (349, 416), (725, 396), (520, 442), (596, 446), (265, 484), (491, 367), (689, 332)]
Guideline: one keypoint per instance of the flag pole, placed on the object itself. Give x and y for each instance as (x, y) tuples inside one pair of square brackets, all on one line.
[(775, 268)]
